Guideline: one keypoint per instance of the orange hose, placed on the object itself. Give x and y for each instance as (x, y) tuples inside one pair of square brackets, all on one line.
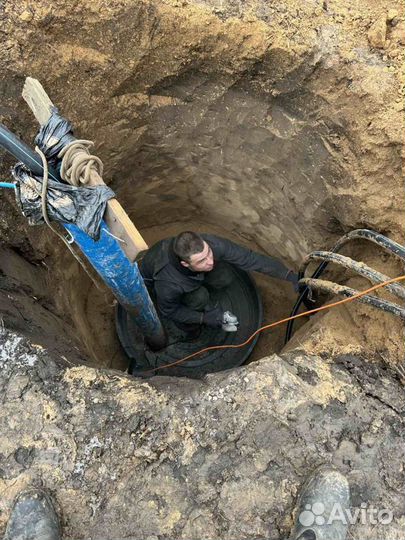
[(272, 325)]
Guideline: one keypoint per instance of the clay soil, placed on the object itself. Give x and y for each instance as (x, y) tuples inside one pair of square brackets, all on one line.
[(277, 125)]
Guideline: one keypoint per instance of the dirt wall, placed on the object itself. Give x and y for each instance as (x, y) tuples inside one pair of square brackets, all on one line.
[(279, 124)]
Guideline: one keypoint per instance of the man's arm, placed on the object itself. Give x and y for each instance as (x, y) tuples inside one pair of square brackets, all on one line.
[(246, 259)]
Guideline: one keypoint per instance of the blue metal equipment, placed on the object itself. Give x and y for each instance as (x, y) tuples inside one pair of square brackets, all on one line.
[(105, 255), (124, 279)]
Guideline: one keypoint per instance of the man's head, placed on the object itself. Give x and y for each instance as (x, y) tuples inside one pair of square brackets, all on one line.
[(194, 253)]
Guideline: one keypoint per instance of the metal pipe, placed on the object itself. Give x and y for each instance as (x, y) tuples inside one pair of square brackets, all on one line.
[(365, 234), (334, 288), (124, 279), (358, 267)]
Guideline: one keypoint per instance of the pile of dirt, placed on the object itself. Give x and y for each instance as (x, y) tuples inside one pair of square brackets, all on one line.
[(219, 458)]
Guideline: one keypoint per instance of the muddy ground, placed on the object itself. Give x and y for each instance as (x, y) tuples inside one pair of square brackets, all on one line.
[(278, 125), (218, 458)]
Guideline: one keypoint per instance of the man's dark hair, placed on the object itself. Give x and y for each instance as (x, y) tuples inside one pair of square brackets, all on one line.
[(186, 244)]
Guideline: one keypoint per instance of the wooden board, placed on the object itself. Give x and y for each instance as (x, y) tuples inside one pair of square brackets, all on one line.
[(115, 216)]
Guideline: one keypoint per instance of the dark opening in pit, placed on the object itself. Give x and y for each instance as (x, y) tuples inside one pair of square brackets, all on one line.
[(98, 308)]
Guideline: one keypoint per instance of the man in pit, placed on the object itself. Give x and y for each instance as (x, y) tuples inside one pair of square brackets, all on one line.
[(181, 271)]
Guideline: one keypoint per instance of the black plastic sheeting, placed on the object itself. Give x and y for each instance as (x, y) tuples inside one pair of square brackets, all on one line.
[(81, 206), (54, 135), (241, 298)]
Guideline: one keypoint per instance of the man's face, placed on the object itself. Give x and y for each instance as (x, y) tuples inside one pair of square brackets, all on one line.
[(201, 262)]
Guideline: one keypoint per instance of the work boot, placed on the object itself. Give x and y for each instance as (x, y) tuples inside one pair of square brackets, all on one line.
[(322, 506), (33, 517)]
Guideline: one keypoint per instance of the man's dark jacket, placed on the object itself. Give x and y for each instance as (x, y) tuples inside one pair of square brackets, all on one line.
[(161, 268)]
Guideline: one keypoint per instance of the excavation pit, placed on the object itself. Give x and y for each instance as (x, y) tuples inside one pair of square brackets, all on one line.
[(240, 298), (278, 125), (281, 145)]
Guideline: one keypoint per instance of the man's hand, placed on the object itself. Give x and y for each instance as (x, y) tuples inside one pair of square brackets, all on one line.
[(292, 277), (213, 318)]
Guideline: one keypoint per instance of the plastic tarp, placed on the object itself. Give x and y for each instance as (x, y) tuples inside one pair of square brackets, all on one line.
[(54, 135), (81, 206)]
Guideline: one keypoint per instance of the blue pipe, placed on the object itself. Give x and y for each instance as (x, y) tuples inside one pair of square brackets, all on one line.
[(7, 185), (105, 255), (124, 279)]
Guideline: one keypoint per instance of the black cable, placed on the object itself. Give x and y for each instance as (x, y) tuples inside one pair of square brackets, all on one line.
[(24, 153), (366, 234)]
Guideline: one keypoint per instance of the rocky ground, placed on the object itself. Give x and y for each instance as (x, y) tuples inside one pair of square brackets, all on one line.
[(223, 457)]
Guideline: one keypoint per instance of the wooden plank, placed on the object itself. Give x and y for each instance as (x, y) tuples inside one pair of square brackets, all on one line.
[(120, 224), (122, 227), (37, 99), (115, 216)]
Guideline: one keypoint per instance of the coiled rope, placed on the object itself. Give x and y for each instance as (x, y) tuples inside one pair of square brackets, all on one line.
[(77, 162)]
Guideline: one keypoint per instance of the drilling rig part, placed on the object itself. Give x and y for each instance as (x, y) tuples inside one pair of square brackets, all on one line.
[(334, 288), (358, 267)]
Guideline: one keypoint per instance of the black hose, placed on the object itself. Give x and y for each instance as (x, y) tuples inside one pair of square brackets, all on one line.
[(366, 234), (303, 297), (24, 153), (361, 269)]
